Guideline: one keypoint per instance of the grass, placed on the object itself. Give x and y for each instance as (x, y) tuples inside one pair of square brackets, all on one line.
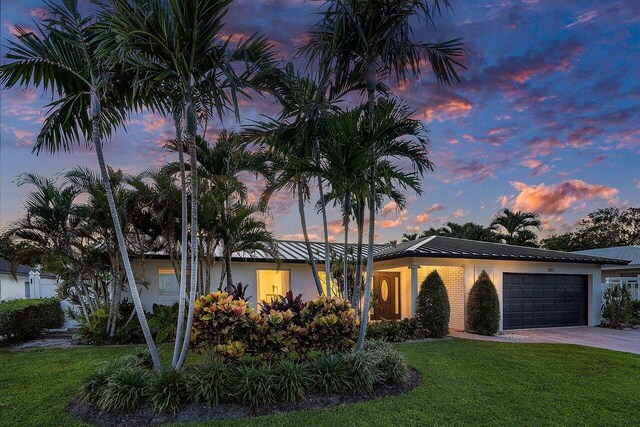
[(465, 382)]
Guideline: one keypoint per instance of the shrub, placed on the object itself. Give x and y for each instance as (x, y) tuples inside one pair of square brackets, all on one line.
[(284, 303), (211, 383), (391, 365), (330, 324), (635, 312), (616, 306), (395, 330), (483, 307), (167, 389), (329, 374), (362, 368), (239, 291), (291, 379), (221, 324), (94, 329), (275, 335), (432, 306), (124, 389), (23, 319), (256, 385)]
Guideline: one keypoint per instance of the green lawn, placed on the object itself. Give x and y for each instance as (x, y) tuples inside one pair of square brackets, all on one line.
[(465, 382)]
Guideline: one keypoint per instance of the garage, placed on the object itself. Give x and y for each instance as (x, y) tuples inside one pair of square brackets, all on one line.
[(544, 300)]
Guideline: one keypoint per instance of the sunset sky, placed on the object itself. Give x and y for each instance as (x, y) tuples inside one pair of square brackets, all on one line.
[(546, 117)]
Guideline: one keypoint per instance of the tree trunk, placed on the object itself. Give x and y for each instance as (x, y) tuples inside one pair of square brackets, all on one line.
[(325, 225), (371, 88), (345, 263), (135, 296), (358, 281), (303, 222), (183, 245), (227, 264), (192, 128)]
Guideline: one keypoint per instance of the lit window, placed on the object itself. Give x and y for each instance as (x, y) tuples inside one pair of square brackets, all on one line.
[(167, 280), (272, 284), (335, 291)]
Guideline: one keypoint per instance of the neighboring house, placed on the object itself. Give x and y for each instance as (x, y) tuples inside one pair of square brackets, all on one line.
[(631, 253), (537, 287), (28, 283)]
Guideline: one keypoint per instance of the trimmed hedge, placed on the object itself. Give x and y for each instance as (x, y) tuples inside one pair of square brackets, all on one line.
[(432, 307), (396, 330), (483, 307), (23, 319)]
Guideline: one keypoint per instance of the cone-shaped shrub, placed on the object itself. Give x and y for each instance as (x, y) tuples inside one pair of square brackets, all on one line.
[(483, 307), (432, 306)]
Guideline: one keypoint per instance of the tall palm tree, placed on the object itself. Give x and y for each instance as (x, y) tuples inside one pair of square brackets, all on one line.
[(182, 41), (92, 100), (517, 226), (378, 36)]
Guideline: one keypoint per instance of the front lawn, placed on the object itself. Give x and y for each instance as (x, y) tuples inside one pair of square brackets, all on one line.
[(465, 382)]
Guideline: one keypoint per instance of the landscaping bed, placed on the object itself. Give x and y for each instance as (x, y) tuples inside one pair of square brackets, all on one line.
[(200, 412)]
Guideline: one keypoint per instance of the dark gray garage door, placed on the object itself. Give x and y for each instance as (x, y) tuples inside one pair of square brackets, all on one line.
[(544, 300)]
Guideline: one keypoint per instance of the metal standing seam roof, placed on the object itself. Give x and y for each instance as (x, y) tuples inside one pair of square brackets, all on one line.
[(631, 253), (449, 247), (292, 251)]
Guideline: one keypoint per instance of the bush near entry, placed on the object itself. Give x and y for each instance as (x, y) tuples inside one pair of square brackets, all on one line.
[(432, 306), (483, 307), (23, 319)]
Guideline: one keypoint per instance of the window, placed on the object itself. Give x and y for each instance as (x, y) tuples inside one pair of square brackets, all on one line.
[(167, 281), (335, 290), (272, 284), (27, 290)]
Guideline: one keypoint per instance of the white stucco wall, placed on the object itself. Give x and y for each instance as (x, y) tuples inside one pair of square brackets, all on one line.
[(11, 288), (301, 279)]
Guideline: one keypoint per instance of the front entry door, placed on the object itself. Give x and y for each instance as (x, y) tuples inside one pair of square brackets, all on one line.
[(386, 296)]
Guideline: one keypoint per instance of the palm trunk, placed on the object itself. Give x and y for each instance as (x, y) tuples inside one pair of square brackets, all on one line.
[(192, 128), (345, 263), (303, 222), (227, 264), (371, 88), (135, 296), (183, 246), (327, 247), (358, 281)]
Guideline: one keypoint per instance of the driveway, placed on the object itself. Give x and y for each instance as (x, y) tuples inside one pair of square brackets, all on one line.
[(627, 340)]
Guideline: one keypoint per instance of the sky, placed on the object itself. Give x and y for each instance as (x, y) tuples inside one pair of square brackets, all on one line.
[(545, 118)]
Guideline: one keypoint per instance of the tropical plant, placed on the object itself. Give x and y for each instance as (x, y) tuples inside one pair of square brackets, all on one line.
[(23, 319), (616, 306), (125, 389), (211, 383), (377, 36), (164, 319), (517, 226), (432, 306), (93, 98), (329, 374), (483, 307), (330, 324), (363, 371), (181, 43), (396, 330), (167, 389), (468, 230), (291, 378), (255, 385)]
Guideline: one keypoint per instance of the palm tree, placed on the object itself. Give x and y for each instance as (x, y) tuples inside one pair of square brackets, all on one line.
[(181, 41), (408, 237), (377, 35), (517, 226), (92, 100)]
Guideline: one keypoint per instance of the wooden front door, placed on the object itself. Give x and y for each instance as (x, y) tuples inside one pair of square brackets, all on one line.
[(386, 296)]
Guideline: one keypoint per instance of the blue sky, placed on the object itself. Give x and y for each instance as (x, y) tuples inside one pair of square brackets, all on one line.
[(545, 118)]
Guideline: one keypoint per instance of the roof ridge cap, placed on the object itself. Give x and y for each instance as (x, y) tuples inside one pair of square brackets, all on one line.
[(419, 244)]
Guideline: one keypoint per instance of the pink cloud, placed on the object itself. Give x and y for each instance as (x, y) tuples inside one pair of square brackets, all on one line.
[(542, 146), (460, 213), (537, 167), (424, 216), (558, 198), (584, 136)]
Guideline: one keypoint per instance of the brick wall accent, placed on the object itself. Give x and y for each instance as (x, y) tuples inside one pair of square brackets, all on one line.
[(454, 281)]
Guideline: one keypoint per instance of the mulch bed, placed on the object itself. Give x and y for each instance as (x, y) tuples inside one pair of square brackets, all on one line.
[(145, 416)]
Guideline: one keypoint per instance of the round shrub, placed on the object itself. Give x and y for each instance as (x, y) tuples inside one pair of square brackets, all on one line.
[(124, 389), (329, 374), (330, 324), (256, 385), (432, 306), (211, 383), (291, 380), (167, 389), (483, 307)]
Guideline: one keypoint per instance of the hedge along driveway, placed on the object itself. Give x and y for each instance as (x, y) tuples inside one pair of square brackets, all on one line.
[(465, 382)]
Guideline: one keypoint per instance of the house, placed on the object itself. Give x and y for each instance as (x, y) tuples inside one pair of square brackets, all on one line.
[(28, 282), (537, 287), (626, 274)]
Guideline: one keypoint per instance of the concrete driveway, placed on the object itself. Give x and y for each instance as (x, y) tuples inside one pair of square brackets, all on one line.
[(627, 340)]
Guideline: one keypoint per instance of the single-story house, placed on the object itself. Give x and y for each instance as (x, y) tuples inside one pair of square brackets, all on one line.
[(614, 273), (29, 282), (537, 287)]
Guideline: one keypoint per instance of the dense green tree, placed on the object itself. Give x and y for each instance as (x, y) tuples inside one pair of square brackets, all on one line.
[(468, 230), (515, 227), (432, 306), (483, 307)]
